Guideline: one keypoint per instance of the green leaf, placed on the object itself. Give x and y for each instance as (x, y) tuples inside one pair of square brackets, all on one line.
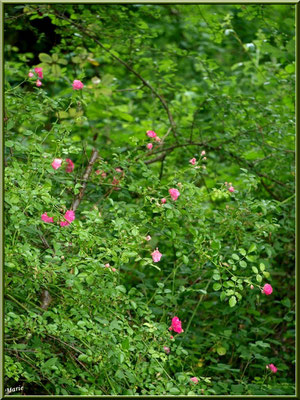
[(255, 270), (174, 390), (258, 278), (243, 252), (55, 57), (90, 279), (290, 68), (252, 248), (56, 70), (221, 350), (125, 344), (251, 258), (121, 288), (243, 264), (235, 256), (185, 260), (262, 267), (286, 302), (222, 296), (217, 286), (232, 301), (45, 58), (49, 363)]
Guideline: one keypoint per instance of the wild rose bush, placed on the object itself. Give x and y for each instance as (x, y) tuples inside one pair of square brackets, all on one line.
[(149, 239)]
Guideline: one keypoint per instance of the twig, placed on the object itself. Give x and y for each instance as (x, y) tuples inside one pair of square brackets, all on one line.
[(270, 191), (197, 306), (85, 178)]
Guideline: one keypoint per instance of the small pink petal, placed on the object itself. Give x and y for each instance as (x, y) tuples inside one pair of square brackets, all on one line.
[(39, 72), (267, 289), (64, 223), (56, 163), (70, 215), (174, 193), (151, 134), (70, 166), (45, 218), (156, 255), (77, 85)]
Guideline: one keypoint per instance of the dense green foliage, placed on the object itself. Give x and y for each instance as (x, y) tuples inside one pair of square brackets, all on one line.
[(213, 78)]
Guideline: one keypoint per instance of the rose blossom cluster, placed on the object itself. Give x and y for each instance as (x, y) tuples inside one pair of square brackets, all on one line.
[(193, 160), (153, 135), (76, 85), (38, 74), (57, 162), (230, 187), (68, 218)]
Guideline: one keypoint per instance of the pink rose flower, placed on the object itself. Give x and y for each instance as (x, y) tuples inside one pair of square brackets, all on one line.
[(203, 153), (174, 193), (194, 380), (38, 83), (45, 218), (30, 74), (103, 174), (149, 146), (113, 269), (107, 265), (70, 166), (39, 72), (64, 223), (97, 172), (70, 216), (163, 200), (272, 368), (115, 182), (171, 337), (193, 161), (77, 85), (251, 287), (151, 134), (231, 189), (267, 289), (148, 237), (167, 350), (157, 139), (119, 170), (56, 163), (176, 325), (156, 255)]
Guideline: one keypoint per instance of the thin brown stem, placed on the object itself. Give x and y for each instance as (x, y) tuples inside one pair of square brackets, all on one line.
[(85, 179)]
